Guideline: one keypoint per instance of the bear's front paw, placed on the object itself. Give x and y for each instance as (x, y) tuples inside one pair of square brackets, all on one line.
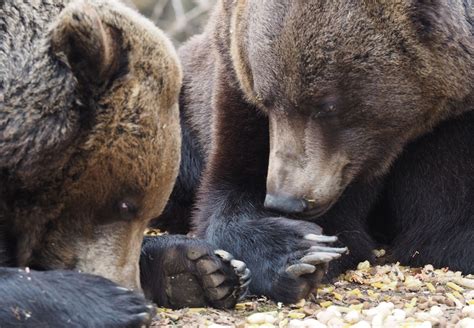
[(192, 273), (295, 259), (306, 268)]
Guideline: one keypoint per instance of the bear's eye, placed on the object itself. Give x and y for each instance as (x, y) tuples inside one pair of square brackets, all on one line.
[(325, 109), (127, 210)]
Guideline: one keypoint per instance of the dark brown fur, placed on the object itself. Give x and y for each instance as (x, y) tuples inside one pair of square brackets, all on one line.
[(89, 143), (310, 102), (354, 82), (105, 125)]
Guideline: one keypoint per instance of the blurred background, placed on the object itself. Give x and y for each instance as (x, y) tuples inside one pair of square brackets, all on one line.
[(178, 18)]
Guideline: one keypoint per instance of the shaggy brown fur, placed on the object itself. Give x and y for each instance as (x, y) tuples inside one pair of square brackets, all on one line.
[(306, 104), (89, 144), (401, 67), (89, 113)]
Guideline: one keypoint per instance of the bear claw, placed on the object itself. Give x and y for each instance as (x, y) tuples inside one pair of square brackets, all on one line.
[(244, 280), (320, 238), (240, 269), (340, 250), (239, 266), (144, 316), (319, 257), (301, 269), (226, 256), (245, 276)]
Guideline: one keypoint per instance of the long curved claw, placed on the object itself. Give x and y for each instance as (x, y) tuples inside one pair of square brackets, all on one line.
[(301, 269)]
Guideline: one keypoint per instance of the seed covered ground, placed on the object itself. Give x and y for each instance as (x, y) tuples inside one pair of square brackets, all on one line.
[(387, 295)]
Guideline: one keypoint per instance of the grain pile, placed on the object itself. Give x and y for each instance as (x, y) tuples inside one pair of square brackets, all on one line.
[(380, 296)]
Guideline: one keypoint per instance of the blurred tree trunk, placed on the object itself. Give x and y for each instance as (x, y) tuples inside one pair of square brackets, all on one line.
[(178, 18)]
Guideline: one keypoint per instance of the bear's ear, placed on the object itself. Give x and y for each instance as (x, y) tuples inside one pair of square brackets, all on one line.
[(89, 47)]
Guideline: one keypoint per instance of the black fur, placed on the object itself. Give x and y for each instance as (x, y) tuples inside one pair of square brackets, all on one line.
[(66, 298), (175, 217), (428, 200)]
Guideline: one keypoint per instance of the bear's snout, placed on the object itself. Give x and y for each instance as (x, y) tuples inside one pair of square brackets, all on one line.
[(297, 206), (113, 253), (286, 204), (305, 175)]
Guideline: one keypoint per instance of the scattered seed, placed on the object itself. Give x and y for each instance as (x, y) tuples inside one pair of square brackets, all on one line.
[(452, 285)]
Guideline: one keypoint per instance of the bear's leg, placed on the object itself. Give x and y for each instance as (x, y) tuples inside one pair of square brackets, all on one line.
[(177, 271), (176, 216), (431, 198), (67, 298), (287, 257)]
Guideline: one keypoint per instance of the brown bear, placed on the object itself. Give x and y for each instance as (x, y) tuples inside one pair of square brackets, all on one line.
[(293, 114), (89, 144)]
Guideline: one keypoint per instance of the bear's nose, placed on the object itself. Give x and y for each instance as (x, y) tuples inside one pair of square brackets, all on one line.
[(286, 204)]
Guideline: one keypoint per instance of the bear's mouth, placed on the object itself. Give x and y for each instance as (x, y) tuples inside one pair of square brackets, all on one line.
[(315, 212), (318, 210)]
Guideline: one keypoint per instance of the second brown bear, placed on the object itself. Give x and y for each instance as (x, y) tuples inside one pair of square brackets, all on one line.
[(297, 113)]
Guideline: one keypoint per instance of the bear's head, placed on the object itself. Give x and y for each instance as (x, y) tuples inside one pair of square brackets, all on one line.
[(117, 166), (346, 84)]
